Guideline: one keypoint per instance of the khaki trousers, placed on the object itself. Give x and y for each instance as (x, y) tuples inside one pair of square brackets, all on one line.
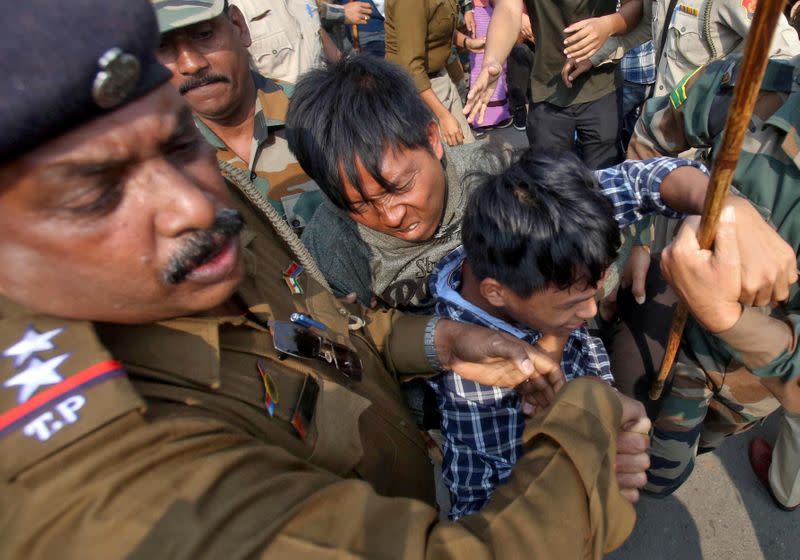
[(784, 474), (447, 92)]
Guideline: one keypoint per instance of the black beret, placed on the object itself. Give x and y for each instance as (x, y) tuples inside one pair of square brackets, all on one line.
[(64, 63)]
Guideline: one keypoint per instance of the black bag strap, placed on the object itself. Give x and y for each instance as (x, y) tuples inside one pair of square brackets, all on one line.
[(664, 29)]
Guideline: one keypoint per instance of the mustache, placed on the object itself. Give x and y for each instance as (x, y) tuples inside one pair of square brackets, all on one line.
[(199, 81), (201, 246)]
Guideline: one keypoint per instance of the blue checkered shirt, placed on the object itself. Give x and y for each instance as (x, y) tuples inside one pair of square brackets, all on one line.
[(482, 426), (639, 64)]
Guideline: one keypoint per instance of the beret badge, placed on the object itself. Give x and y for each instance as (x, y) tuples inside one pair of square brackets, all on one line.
[(117, 78)]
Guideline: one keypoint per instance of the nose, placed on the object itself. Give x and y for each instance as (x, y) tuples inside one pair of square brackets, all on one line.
[(392, 212), (183, 205), (587, 309), (188, 60)]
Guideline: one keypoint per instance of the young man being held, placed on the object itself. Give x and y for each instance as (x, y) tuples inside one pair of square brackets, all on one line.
[(396, 195), (538, 240)]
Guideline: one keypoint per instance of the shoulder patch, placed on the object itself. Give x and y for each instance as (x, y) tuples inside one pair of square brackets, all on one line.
[(57, 384), (678, 95)]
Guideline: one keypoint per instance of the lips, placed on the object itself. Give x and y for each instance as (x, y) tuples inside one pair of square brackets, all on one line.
[(218, 265)]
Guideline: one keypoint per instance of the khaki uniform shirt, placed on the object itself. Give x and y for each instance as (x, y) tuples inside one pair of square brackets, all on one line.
[(272, 168), (419, 36), (285, 37), (699, 31), (170, 452)]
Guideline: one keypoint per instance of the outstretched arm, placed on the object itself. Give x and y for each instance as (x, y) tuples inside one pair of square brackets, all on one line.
[(504, 29)]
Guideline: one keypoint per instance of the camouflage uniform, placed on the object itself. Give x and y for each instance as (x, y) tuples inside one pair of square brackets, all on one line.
[(712, 394), (273, 168)]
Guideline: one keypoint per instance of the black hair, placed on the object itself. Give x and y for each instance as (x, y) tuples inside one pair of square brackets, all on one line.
[(541, 222), (354, 109)]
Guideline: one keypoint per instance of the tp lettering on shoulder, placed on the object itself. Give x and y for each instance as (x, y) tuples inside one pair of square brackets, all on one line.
[(47, 400)]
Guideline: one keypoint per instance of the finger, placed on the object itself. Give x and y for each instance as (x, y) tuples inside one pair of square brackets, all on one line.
[(631, 495), (687, 234), (528, 409), (541, 400), (579, 44), (632, 464), (638, 281), (632, 442), (556, 380), (565, 75), (632, 412), (780, 291), (583, 53), (576, 26), (639, 424), (764, 296), (574, 40), (481, 113), (726, 247), (542, 388), (631, 481)]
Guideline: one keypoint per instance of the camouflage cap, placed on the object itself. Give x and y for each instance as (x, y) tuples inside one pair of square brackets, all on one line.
[(174, 14)]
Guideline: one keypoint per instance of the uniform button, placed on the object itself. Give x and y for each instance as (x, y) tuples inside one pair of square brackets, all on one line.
[(253, 175), (402, 423), (274, 51), (342, 311), (683, 29)]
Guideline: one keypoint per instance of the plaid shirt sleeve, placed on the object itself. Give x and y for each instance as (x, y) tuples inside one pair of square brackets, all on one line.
[(639, 64), (634, 187)]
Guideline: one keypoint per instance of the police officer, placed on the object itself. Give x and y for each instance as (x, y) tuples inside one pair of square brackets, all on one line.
[(725, 382), (175, 380), (690, 33)]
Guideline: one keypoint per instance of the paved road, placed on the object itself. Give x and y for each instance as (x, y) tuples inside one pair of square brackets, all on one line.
[(721, 513)]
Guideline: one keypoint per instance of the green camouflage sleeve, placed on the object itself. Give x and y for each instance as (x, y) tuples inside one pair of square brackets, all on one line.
[(691, 116)]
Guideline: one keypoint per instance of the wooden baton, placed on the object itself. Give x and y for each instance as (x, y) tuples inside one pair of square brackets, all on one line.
[(354, 31), (745, 93)]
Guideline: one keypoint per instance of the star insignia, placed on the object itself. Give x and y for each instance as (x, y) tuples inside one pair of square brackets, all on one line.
[(32, 341), (37, 374)]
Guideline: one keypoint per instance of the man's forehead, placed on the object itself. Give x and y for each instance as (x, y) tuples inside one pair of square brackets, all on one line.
[(116, 136), (396, 165)]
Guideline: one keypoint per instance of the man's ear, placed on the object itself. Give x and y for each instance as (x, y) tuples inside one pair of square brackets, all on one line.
[(435, 139), (240, 24), (493, 292)]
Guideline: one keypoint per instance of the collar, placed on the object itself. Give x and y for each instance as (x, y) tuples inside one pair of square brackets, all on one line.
[(196, 340), (272, 102), (786, 119), (445, 283)]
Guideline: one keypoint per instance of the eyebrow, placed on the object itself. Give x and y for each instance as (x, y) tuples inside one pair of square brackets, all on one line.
[(88, 169), (571, 302), (406, 175)]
